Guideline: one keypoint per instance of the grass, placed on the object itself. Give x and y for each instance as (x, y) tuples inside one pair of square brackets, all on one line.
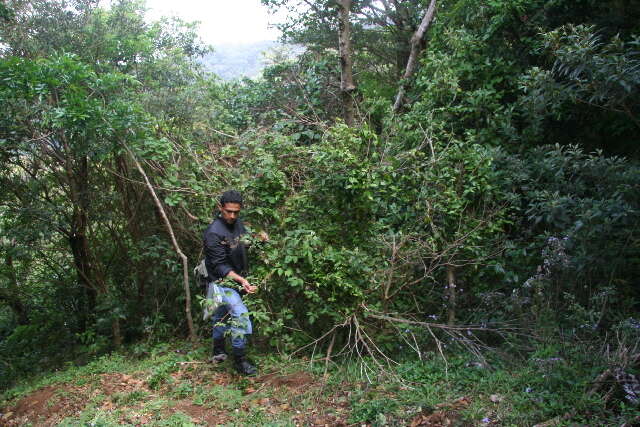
[(162, 390)]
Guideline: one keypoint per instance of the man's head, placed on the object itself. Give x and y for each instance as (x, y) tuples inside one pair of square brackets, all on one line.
[(230, 205)]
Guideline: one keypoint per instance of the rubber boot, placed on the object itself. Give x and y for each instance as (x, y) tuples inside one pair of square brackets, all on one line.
[(241, 363), (219, 351)]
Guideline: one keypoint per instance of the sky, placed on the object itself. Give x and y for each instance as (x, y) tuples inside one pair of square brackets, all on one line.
[(221, 21)]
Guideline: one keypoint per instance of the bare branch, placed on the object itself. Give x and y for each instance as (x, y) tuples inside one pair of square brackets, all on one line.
[(413, 56), (167, 223)]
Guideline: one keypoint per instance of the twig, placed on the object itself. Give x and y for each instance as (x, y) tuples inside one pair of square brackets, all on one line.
[(328, 358)]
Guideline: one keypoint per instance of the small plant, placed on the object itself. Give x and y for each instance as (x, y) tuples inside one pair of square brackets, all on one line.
[(127, 399), (226, 397), (156, 406), (161, 375), (255, 416), (364, 411), (176, 420), (183, 390)]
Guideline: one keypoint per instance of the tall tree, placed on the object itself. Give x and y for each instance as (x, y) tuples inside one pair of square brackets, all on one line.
[(55, 136), (66, 135), (347, 85), (387, 37)]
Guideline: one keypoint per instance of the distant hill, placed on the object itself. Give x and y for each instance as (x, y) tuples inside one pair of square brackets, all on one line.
[(230, 61)]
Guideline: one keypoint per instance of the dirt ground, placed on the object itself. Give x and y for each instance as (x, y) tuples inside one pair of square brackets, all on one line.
[(125, 396), (48, 406)]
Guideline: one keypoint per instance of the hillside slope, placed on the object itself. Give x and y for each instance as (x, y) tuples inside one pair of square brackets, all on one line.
[(173, 385)]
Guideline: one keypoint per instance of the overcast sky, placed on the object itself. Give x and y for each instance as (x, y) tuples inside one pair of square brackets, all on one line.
[(221, 21)]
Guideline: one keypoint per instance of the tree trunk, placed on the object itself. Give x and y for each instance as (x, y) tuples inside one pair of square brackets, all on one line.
[(416, 48), (451, 293), (185, 261), (130, 202), (12, 297), (347, 86), (77, 177), (117, 335)]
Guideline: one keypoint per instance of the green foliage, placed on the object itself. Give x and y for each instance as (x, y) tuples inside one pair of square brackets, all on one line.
[(290, 96), (551, 383), (313, 268), (592, 80), (161, 374), (578, 220), (373, 218), (67, 183), (127, 399), (33, 349), (371, 411)]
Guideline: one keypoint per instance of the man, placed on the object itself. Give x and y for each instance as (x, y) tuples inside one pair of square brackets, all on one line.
[(226, 257)]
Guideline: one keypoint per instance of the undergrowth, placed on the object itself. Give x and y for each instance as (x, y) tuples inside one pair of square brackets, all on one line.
[(552, 383)]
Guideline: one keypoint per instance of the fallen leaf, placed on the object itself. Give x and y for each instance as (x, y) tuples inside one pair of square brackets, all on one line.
[(496, 398)]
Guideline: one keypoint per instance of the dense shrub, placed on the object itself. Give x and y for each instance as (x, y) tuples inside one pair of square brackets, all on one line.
[(574, 239)]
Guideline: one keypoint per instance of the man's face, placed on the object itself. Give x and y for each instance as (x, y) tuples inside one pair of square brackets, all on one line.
[(229, 212)]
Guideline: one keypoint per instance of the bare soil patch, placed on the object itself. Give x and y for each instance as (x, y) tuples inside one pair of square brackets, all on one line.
[(46, 406), (201, 414), (111, 391), (49, 405), (202, 373), (292, 381), (121, 383), (35, 403)]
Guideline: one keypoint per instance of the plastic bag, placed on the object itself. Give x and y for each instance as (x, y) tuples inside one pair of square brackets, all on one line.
[(213, 300)]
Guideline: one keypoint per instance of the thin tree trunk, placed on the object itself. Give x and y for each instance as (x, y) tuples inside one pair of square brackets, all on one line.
[(130, 201), (329, 350), (77, 178), (347, 85), (80, 243), (185, 261), (451, 292), (12, 297), (413, 56), (117, 335)]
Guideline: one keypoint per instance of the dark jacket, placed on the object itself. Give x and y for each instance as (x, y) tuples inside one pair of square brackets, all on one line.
[(223, 250)]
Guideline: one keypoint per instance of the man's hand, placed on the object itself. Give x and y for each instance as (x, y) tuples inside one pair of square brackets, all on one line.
[(242, 281), (249, 288)]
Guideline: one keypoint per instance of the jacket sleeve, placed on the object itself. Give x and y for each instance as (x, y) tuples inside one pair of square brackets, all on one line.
[(215, 256)]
